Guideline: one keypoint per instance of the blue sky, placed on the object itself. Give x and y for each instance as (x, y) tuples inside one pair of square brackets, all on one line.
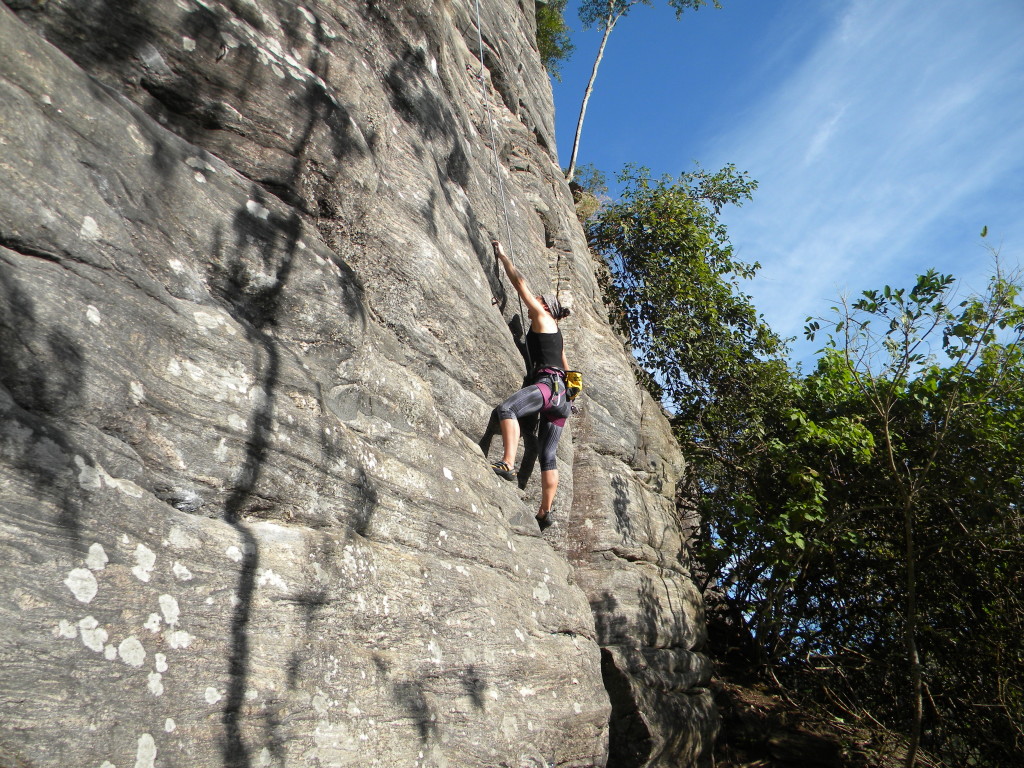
[(884, 134)]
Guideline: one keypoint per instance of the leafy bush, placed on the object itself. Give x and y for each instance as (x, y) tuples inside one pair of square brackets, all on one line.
[(553, 39)]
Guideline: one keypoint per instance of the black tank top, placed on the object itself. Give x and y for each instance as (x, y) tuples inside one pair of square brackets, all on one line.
[(545, 349)]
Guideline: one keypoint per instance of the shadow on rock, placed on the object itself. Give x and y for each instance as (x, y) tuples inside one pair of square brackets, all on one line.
[(42, 370)]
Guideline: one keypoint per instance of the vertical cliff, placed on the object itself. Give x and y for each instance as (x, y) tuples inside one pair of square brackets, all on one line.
[(251, 333)]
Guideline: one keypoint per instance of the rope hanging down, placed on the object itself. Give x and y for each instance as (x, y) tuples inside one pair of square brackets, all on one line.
[(494, 151)]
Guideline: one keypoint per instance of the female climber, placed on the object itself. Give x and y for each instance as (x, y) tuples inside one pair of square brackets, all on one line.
[(546, 394)]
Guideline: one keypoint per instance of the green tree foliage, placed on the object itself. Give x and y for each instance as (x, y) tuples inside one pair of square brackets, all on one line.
[(553, 36), (875, 536), (674, 285), (931, 513), (605, 14), (866, 519)]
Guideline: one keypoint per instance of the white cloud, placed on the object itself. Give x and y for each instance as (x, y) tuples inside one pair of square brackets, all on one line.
[(883, 153)]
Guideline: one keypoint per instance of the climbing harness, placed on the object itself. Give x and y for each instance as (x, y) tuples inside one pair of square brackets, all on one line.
[(494, 150)]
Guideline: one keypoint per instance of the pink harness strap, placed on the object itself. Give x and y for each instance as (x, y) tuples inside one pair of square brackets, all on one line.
[(545, 390)]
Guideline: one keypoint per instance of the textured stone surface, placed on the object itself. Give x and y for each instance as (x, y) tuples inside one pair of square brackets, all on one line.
[(251, 333)]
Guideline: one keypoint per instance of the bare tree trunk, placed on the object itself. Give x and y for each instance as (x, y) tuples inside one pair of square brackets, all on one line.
[(609, 25), (916, 677)]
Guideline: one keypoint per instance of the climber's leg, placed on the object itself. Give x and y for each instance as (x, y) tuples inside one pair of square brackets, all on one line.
[(548, 434), (548, 488), (524, 402), (510, 440)]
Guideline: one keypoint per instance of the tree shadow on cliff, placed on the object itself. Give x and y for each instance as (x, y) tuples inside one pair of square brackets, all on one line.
[(266, 242), (249, 277), (410, 695), (620, 506), (102, 31), (104, 36), (414, 100), (413, 695), (240, 282), (42, 369)]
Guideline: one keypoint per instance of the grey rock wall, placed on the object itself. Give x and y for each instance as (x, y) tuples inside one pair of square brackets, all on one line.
[(251, 333)]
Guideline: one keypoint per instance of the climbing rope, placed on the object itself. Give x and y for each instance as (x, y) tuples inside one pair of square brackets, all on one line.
[(494, 151)]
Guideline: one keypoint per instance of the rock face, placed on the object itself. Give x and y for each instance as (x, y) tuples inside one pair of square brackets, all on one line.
[(251, 334)]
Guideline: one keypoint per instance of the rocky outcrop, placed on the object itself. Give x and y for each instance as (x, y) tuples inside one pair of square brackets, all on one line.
[(251, 333)]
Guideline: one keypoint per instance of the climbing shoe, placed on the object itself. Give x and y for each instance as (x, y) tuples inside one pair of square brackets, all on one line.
[(501, 469), (544, 520)]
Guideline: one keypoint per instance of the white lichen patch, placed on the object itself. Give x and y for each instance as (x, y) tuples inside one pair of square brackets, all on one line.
[(160, 662), (212, 696), (145, 755), (93, 315), (448, 474), (169, 608), (93, 635), (90, 229), (82, 584), (131, 652), (209, 321), (435, 651), (88, 476), (176, 265), (153, 623), (181, 572), (234, 553), (269, 577), (127, 487), (66, 629), (179, 538), (97, 559), (193, 370), (178, 639), (256, 209), (110, 653), (238, 379), (95, 478), (188, 44), (541, 593), (136, 392), (155, 683), (170, 726), (145, 560)]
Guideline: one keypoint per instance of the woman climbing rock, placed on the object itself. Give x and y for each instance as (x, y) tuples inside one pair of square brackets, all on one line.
[(545, 394)]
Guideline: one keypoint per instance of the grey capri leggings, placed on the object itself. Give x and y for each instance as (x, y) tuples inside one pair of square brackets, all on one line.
[(546, 396)]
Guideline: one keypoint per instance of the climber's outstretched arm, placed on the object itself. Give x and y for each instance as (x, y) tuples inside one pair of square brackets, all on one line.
[(533, 304)]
